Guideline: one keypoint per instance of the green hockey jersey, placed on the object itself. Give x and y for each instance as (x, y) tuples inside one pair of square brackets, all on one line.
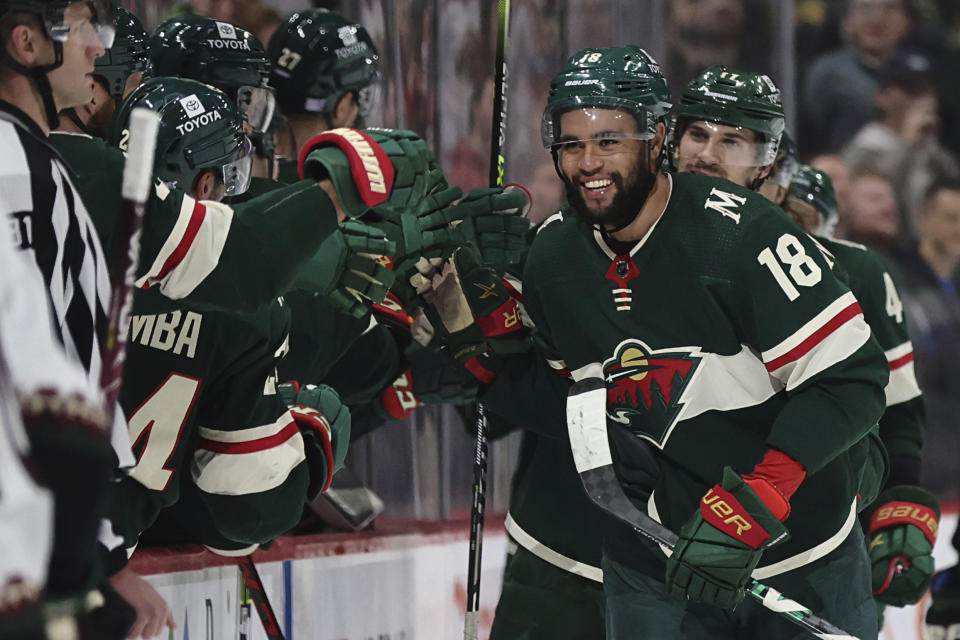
[(719, 335), (903, 425), (204, 418), (229, 257)]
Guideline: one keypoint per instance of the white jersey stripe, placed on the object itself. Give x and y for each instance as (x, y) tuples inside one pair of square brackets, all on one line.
[(255, 468), (835, 346), (898, 352), (810, 328), (902, 385)]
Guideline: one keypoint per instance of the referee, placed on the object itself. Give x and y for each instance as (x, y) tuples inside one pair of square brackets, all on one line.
[(48, 51)]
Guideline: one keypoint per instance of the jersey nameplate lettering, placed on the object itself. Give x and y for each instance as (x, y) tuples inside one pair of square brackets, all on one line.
[(165, 331)]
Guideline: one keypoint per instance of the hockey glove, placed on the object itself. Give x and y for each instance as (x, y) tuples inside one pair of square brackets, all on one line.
[(943, 617), (470, 308), (348, 268), (369, 167), (721, 544), (903, 529), (324, 423), (420, 233), (493, 221)]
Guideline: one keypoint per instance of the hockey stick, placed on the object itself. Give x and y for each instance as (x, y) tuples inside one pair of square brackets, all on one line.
[(253, 586), (137, 181), (587, 426), (498, 137)]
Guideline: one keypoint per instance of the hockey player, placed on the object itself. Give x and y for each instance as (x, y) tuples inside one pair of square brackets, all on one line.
[(326, 74), (200, 396), (118, 72), (760, 382), (900, 549), (738, 103)]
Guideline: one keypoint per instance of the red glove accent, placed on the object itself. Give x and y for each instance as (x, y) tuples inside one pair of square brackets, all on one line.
[(392, 311), (370, 165), (398, 399), (725, 512), (310, 418), (502, 320), (479, 371), (901, 512), (775, 479)]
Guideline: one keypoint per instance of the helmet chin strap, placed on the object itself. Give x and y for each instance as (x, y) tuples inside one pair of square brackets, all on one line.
[(40, 80), (71, 113)]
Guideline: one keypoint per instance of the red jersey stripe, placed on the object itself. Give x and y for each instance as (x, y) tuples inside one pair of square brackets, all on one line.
[(193, 228), (815, 338), (901, 361), (251, 446)]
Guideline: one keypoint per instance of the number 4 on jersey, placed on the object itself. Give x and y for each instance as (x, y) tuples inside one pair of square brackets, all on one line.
[(159, 423), (893, 305)]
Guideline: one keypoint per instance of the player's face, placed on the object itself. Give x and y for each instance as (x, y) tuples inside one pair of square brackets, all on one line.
[(721, 151), (603, 164), (71, 82)]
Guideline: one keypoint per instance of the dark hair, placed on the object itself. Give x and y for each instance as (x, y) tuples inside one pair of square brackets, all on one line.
[(940, 184), (909, 6)]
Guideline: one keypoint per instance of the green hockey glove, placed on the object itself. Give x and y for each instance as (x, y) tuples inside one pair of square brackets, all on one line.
[(721, 544), (493, 221), (349, 268), (903, 530), (419, 234), (372, 166), (468, 305), (942, 621), (324, 423)]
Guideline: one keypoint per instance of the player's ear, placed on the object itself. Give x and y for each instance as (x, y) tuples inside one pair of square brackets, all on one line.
[(346, 110), (206, 186), (656, 145)]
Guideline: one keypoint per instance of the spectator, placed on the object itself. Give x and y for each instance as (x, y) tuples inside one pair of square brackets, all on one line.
[(901, 141), (702, 33), (929, 288), (837, 97), (872, 217)]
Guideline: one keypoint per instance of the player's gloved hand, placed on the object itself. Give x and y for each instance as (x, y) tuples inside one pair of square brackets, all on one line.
[(349, 268), (721, 544), (942, 621), (903, 530), (493, 221), (324, 423), (420, 233), (397, 401), (468, 305), (368, 167)]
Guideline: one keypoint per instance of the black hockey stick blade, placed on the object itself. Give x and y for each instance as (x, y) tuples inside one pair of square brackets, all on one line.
[(587, 427), (137, 182), (254, 585)]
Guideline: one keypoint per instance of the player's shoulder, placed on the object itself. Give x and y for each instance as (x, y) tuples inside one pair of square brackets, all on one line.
[(855, 257), (721, 208)]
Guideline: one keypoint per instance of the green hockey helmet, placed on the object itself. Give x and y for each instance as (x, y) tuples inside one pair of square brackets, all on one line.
[(200, 128), (221, 55), (626, 78), (815, 188), (735, 98), (128, 55), (318, 56)]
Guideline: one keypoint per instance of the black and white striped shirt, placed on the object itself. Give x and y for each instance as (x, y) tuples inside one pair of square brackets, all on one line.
[(48, 220)]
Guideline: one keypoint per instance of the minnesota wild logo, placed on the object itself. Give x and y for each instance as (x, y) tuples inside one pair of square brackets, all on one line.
[(645, 387)]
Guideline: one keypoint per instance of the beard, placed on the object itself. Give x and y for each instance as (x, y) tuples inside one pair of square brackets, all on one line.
[(632, 192)]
